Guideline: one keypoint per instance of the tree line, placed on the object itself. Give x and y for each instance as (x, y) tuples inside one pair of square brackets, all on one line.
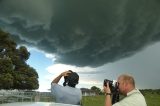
[(15, 73), (143, 91)]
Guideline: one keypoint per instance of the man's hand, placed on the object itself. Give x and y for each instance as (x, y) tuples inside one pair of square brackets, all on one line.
[(108, 96), (106, 88), (56, 80), (66, 73)]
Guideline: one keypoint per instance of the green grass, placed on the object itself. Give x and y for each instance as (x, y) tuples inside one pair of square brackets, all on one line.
[(152, 99), (93, 100)]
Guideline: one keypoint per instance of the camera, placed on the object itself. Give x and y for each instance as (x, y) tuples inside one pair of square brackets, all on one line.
[(113, 85), (66, 78)]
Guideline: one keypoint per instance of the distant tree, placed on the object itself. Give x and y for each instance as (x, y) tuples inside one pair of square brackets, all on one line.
[(14, 71), (96, 89)]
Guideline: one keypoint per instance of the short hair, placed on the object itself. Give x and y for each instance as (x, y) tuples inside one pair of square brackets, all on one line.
[(128, 78), (72, 79)]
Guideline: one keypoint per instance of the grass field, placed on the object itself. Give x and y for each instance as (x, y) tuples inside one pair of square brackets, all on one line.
[(152, 99), (93, 100)]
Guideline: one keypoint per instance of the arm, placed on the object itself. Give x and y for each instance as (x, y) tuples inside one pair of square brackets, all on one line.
[(56, 80), (108, 96), (108, 100)]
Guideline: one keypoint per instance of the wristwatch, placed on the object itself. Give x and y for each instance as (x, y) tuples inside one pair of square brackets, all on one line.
[(108, 93)]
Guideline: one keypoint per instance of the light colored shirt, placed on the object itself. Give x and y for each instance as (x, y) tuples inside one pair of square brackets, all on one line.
[(66, 94), (133, 98)]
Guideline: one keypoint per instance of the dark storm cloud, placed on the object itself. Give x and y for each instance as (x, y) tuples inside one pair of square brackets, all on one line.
[(83, 33)]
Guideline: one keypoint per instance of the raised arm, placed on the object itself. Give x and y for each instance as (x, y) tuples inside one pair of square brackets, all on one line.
[(108, 101), (56, 80)]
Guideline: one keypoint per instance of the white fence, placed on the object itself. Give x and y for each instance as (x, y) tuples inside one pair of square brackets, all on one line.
[(15, 96)]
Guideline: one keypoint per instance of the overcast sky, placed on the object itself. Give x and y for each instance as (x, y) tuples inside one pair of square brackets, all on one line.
[(96, 38)]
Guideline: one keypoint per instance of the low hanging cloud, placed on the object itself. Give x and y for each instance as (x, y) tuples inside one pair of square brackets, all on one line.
[(83, 33)]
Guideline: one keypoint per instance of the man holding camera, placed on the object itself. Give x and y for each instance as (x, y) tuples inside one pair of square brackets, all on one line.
[(126, 86), (67, 93)]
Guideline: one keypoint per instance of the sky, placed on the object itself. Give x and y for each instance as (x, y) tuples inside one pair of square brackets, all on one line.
[(98, 39)]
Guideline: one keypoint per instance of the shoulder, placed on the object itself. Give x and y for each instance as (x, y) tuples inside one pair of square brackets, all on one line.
[(135, 98), (73, 90), (56, 86)]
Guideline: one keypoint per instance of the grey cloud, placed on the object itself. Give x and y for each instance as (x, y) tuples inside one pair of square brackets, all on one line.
[(32, 12), (83, 33), (143, 66)]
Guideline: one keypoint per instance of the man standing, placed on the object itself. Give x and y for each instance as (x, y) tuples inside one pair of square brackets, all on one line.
[(126, 86), (67, 93)]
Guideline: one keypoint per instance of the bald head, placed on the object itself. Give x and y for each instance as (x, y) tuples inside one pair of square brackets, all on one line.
[(127, 79)]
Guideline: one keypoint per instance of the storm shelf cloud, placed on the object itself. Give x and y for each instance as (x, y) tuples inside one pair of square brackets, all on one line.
[(83, 33)]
